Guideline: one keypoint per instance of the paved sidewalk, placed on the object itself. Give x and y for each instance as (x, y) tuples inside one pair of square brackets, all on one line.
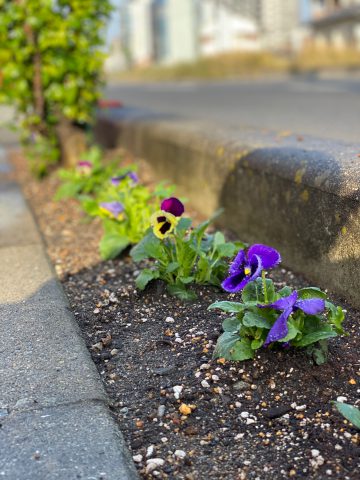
[(54, 419)]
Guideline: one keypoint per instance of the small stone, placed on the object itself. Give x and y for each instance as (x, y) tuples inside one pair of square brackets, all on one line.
[(97, 346), (249, 421), (114, 352), (241, 385), (205, 384), (161, 411), (153, 464), (185, 409), (338, 447), (180, 453), (149, 451), (315, 453), (137, 458), (97, 310), (244, 414), (341, 399), (177, 390), (204, 366), (169, 320)]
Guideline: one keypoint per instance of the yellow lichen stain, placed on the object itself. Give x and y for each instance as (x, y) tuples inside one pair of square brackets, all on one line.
[(220, 151), (299, 175), (344, 230), (304, 195)]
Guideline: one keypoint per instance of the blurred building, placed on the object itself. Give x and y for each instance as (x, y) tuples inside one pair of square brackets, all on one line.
[(173, 31), (224, 28), (336, 23), (116, 60)]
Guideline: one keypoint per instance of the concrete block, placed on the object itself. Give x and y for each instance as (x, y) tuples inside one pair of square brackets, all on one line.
[(43, 359), (17, 226), (66, 443)]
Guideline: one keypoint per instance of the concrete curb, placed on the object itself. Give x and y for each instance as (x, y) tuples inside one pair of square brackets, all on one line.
[(54, 419), (299, 194)]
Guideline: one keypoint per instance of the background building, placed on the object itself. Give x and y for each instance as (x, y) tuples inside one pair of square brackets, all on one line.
[(336, 23)]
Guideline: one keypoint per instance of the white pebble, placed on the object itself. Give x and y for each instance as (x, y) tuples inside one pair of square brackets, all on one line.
[(237, 404), (249, 421), (153, 463), (205, 384), (177, 390), (180, 453), (137, 458), (341, 399), (315, 453), (215, 378), (204, 366), (300, 408), (244, 414), (149, 451), (178, 340), (239, 436), (169, 320), (338, 447)]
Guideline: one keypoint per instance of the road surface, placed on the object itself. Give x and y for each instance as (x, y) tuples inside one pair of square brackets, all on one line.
[(324, 108)]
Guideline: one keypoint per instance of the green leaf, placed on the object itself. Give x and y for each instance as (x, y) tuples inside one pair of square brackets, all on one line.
[(145, 277), (350, 412), (112, 244), (270, 289), (252, 319), (315, 337), (285, 292), (226, 250), (311, 292), (251, 292), (231, 347), (230, 307), (181, 292), (67, 190), (186, 280), (231, 324), (172, 267), (318, 351), (336, 316), (292, 333), (184, 224), (219, 239), (148, 247), (256, 343)]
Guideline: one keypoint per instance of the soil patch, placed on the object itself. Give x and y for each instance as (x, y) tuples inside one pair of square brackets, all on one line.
[(269, 418)]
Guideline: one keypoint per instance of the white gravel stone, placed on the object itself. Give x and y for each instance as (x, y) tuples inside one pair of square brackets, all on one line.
[(149, 451), (138, 458), (177, 390), (244, 414), (180, 453), (205, 384), (169, 320), (315, 453), (341, 399)]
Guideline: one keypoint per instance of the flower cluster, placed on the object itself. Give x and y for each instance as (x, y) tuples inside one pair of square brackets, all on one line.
[(299, 318)]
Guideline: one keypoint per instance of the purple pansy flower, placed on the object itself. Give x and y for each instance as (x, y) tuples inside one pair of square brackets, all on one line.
[(288, 305), (113, 208), (247, 267), (173, 205), (132, 175)]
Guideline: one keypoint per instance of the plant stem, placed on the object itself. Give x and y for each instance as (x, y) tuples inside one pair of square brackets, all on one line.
[(263, 277)]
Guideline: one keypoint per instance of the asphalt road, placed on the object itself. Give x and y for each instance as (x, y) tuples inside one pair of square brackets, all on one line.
[(324, 108)]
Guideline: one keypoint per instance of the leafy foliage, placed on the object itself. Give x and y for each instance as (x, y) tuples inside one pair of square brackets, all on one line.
[(188, 256), (75, 182), (246, 331), (50, 60), (138, 203)]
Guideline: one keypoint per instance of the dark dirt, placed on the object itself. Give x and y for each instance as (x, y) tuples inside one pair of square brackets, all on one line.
[(184, 415)]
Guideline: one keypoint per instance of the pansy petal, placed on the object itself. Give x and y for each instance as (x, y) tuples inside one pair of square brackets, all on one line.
[(280, 328), (283, 303), (238, 263), (173, 205), (85, 163), (115, 208), (133, 176), (235, 283), (269, 256), (311, 306)]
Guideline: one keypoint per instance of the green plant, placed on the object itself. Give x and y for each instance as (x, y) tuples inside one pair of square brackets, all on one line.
[(125, 207), (50, 60), (182, 255), (301, 318), (90, 175)]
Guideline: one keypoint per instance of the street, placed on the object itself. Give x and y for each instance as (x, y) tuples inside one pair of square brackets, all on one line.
[(324, 108)]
